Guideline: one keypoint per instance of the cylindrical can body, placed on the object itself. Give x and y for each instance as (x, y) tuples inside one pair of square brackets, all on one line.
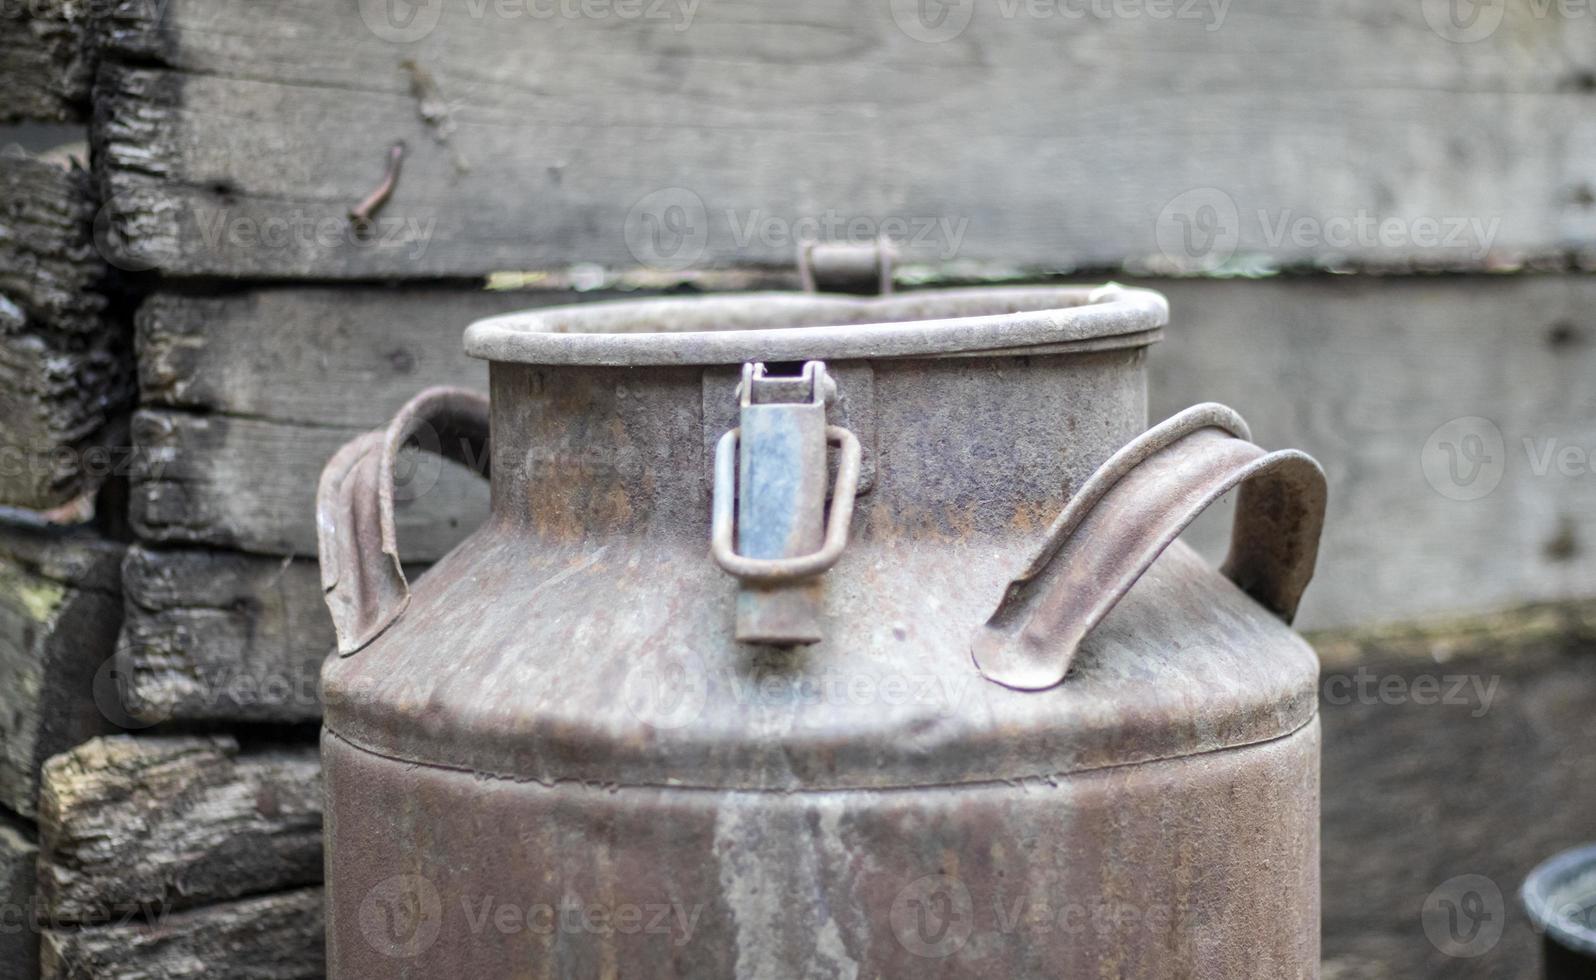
[(1196, 867)]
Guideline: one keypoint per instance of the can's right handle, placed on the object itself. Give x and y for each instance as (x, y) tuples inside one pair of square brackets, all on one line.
[(1133, 508)]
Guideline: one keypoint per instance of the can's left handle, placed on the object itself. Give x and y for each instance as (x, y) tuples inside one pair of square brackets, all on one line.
[(362, 580)]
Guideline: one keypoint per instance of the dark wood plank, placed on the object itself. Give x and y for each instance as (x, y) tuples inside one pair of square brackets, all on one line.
[(1437, 770), (45, 61), (162, 823), (19, 936), (60, 610), (66, 374), (236, 136), (274, 937), (49, 265), (215, 636)]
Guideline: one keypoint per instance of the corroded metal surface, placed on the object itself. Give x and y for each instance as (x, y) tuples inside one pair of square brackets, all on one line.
[(564, 710), (1202, 867)]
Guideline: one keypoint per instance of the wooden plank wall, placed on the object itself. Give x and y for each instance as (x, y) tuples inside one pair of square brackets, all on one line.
[(586, 156)]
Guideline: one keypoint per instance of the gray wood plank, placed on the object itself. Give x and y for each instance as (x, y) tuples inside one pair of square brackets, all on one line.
[(45, 62), (273, 937), (1368, 375), (156, 824), (60, 610), (216, 636), (328, 356), (251, 484), (235, 136)]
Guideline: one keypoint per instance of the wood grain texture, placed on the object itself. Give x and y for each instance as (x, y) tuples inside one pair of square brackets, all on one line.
[(49, 265), (60, 610), (273, 937), (215, 636), (349, 356), (66, 373), (157, 824), (19, 937), (45, 64), (251, 484), (1365, 374), (235, 136)]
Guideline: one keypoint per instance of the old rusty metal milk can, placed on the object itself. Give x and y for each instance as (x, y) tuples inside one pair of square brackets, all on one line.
[(823, 635)]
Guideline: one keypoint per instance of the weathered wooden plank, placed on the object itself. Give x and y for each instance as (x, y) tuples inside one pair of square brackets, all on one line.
[(49, 265), (163, 823), (66, 375), (251, 484), (44, 61), (62, 410), (19, 936), (60, 610), (217, 636), (274, 937), (324, 356), (708, 135), (1369, 375)]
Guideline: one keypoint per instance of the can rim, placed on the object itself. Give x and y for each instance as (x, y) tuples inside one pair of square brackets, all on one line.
[(802, 326)]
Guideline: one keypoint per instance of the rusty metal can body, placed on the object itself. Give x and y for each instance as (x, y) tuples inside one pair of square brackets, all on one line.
[(555, 756)]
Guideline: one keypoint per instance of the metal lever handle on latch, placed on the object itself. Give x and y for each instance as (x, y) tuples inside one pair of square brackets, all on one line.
[(361, 578), (1134, 507), (770, 493)]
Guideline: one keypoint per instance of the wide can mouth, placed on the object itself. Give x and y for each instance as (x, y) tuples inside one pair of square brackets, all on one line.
[(806, 326)]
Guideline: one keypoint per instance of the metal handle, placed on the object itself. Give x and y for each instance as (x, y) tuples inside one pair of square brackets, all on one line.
[(1133, 508), (770, 494), (769, 571), (362, 579)]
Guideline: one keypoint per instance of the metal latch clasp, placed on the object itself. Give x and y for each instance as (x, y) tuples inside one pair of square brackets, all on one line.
[(770, 491)]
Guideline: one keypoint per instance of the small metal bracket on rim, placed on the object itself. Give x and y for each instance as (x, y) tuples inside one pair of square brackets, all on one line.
[(847, 267)]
